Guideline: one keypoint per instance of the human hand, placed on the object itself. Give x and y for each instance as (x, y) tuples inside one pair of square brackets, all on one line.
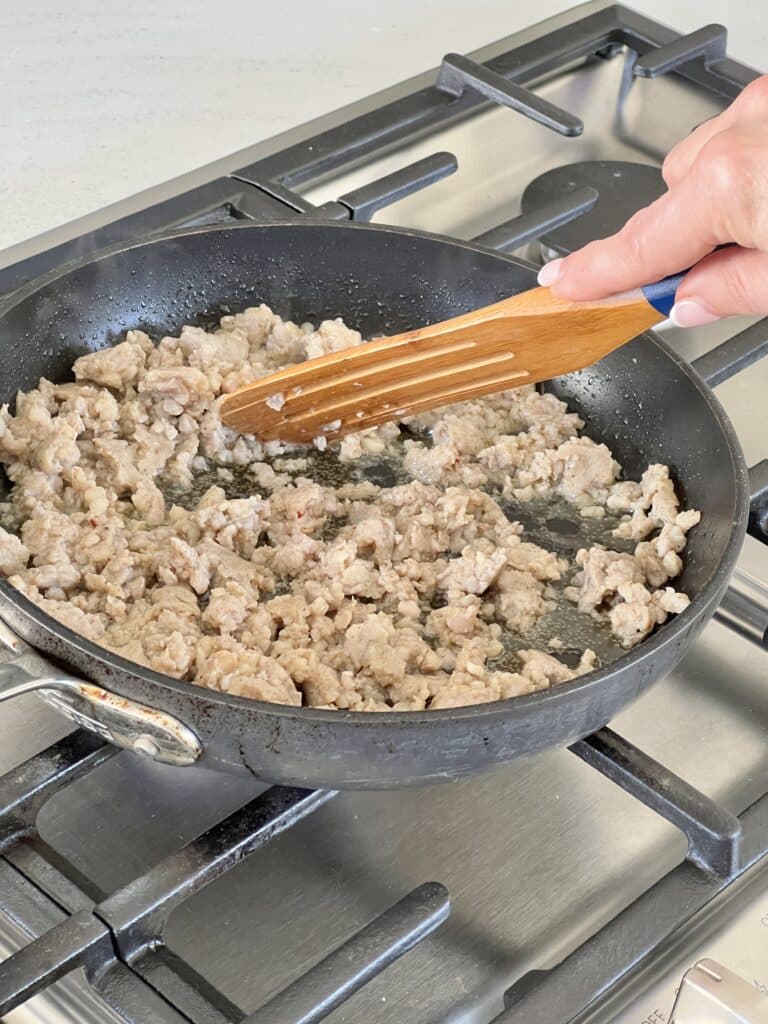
[(717, 181)]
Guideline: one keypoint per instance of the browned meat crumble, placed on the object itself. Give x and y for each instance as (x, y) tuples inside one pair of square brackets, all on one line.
[(356, 596)]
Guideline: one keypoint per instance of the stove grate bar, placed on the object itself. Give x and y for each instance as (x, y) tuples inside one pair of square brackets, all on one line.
[(459, 73), (31, 912), (758, 489), (364, 202), (78, 941), (719, 365), (135, 1001), (527, 227), (180, 985), (25, 789), (312, 997), (639, 938), (744, 608), (381, 130), (137, 914), (733, 355), (291, 200), (708, 43), (713, 834), (54, 874), (27, 907)]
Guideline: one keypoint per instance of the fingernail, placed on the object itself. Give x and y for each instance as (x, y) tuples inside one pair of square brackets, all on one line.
[(689, 313), (550, 272)]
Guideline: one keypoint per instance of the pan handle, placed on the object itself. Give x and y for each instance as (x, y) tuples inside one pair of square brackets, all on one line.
[(122, 722)]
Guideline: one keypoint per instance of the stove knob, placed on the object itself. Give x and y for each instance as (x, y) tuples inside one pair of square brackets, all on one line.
[(711, 994)]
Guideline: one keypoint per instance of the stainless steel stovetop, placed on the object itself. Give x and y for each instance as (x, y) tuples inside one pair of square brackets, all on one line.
[(565, 889)]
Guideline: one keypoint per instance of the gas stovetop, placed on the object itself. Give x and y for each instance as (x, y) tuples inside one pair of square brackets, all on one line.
[(563, 889)]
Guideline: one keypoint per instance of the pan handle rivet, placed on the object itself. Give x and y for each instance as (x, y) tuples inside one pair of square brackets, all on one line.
[(146, 746)]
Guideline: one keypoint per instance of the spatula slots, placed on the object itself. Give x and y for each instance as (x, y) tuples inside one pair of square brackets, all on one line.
[(527, 338)]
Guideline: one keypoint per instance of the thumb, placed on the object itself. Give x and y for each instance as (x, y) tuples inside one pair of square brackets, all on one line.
[(732, 282)]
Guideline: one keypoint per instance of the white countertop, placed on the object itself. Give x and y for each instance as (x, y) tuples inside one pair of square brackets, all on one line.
[(102, 100)]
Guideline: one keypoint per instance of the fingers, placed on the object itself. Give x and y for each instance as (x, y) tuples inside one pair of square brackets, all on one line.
[(664, 238), (722, 199), (732, 282), (751, 104), (681, 157)]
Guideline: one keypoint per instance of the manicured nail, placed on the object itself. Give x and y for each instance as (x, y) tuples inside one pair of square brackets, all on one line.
[(689, 313), (550, 272)]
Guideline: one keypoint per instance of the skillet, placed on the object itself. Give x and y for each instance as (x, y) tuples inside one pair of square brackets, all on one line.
[(642, 400)]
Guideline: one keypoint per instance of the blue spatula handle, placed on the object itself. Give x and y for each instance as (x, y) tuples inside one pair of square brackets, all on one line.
[(661, 295)]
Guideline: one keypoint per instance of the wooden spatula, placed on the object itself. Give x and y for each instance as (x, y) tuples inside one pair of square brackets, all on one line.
[(527, 338)]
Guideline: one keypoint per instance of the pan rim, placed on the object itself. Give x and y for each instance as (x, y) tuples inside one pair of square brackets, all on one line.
[(667, 634)]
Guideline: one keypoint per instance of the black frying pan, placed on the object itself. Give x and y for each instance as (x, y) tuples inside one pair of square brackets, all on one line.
[(380, 280)]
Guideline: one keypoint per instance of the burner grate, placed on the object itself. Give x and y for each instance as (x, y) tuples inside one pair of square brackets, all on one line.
[(119, 939), (125, 930), (266, 189), (713, 834), (643, 934)]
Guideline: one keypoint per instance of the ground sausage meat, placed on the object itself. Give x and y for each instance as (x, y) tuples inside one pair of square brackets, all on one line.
[(369, 595)]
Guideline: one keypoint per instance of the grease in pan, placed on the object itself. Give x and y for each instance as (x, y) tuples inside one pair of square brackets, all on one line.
[(391, 573)]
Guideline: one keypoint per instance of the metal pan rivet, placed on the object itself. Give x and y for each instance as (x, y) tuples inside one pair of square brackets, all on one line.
[(146, 746)]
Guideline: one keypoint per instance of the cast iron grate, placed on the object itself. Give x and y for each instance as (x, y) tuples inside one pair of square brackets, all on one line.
[(118, 939)]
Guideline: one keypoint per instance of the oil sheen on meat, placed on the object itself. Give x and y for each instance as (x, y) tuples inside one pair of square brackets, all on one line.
[(469, 555)]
